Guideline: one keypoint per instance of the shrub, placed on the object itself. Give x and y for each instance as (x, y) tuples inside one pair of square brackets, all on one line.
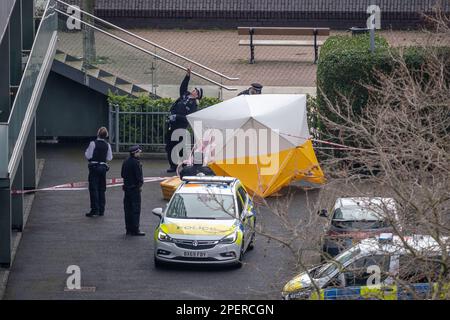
[(145, 123), (345, 63), (146, 104)]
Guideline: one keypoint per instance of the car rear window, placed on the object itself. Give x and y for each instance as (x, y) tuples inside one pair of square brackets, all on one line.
[(356, 213)]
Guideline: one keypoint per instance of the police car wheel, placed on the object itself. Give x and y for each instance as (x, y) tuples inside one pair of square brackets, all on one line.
[(239, 263), (158, 264), (251, 245)]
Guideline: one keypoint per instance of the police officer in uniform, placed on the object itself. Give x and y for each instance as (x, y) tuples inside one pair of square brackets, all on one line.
[(187, 103), (197, 168), (256, 88), (133, 180), (98, 153)]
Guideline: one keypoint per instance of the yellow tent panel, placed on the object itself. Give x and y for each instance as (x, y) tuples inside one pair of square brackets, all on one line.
[(294, 164)]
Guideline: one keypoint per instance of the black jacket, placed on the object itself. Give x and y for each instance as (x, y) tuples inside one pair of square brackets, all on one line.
[(245, 92), (132, 173), (183, 106), (196, 169)]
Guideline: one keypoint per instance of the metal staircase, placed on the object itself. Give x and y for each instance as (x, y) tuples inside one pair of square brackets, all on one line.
[(98, 79), (116, 60), (18, 133)]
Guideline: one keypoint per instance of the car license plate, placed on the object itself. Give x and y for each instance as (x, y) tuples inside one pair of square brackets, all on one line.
[(195, 254)]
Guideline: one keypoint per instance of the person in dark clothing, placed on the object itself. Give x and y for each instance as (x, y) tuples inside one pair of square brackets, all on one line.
[(256, 88), (197, 168), (98, 153), (133, 181), (186, 104)]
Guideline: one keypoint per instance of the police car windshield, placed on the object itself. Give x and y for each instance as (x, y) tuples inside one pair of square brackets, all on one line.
[(202, 206), (337, 263)]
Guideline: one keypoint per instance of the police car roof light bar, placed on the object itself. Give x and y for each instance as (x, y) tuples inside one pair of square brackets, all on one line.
[(385, 237), (209, 179)]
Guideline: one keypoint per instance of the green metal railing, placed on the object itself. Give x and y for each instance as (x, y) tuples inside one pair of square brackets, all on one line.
[(144, 127), (13, 133)]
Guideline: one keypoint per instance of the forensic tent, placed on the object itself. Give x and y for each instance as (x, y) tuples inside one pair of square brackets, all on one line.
[(263, 140)]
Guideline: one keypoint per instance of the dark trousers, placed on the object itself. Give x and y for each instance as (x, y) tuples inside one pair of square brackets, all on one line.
[(132, 208), (97, 187), (171, 144)]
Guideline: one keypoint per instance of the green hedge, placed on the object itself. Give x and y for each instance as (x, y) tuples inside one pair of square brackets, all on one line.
[(145, 103), (145, 129), (344, 63)]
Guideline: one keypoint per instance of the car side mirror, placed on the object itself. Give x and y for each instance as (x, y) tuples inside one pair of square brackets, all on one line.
[(323, 213), (158, 212), (247, 214)]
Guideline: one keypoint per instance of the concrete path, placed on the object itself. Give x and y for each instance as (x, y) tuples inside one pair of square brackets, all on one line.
[(117, 267)]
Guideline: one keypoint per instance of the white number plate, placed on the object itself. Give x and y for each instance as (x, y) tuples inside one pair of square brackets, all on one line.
[(195, 254)]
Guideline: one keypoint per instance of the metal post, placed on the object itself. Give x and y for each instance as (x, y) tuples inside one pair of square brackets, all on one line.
[(5, 227), (29, 159), (17, 200), (110, 124), (221, 89), (252, 47), (116, 131), (15, 39), (5, 98), (316, 48), (27, 24), (154, 70), (372, 39)]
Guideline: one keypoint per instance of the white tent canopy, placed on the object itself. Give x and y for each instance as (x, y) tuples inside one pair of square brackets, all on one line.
[(283, 114), (261, 139)]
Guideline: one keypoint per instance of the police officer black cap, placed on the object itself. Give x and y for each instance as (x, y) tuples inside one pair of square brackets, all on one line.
[(199, 93), (135, 149), (257, 86)]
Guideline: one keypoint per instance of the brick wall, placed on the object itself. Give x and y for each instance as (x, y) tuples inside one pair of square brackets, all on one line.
[(231, 13)]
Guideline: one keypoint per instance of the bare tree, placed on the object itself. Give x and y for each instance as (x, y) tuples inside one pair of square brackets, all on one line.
[(401, 149)]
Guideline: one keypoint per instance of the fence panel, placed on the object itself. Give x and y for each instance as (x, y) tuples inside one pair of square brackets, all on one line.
[(145, 128)]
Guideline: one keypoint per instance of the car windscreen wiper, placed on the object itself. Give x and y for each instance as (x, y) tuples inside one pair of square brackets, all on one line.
[(205, 218)]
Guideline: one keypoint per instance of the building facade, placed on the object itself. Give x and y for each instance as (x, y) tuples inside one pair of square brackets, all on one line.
[(337, 14)]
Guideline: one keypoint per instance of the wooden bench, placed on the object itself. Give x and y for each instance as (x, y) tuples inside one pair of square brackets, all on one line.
[(280, 31)]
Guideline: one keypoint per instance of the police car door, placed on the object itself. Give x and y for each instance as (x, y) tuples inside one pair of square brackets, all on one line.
[(369, 275), (243, 214)]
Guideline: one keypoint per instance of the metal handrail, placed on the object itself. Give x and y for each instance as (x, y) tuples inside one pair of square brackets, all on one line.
[(148, 52), (154, 44), (19, 143)]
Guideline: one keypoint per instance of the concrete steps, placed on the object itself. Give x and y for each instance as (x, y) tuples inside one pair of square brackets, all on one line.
[(95, 77)]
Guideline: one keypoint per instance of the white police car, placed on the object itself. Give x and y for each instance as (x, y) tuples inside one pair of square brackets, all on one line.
[(381, 268), (208, 220)]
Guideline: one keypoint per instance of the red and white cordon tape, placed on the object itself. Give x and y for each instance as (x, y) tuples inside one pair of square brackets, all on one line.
[(117, 182), (77, 186)]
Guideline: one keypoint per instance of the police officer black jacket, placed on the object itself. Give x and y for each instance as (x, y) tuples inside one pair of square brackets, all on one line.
[(183, 106), (132, 174)]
